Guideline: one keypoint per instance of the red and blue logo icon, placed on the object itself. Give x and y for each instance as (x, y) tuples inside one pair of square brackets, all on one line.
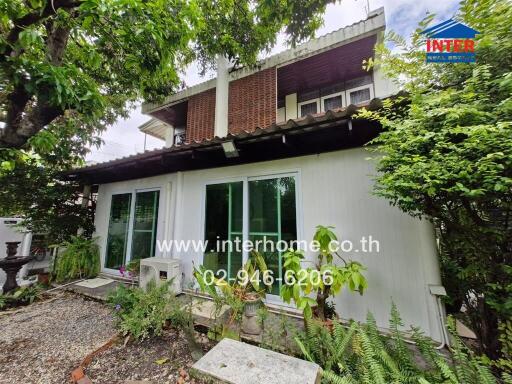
[(450, 42)]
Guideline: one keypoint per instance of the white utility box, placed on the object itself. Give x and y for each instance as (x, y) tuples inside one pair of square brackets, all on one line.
[(161, 270)]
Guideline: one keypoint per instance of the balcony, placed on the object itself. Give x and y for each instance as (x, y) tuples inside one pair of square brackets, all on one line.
[(328, 80)]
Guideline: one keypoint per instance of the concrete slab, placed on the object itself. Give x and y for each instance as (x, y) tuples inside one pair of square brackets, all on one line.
[(235, 362), (94, 283), (464, 331), (203, 312), (99, 293)]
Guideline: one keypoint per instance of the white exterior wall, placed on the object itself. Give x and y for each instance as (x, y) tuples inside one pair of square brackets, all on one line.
[(384, 87), (333, 189)]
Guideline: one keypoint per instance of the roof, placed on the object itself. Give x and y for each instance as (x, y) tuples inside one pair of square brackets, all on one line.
[(155, 128), (323, 132), (373, 24)]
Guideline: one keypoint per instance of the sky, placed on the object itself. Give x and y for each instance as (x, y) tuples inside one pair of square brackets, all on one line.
[(402, 16)]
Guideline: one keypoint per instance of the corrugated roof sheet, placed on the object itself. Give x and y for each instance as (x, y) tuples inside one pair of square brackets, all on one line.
[(293, 124)]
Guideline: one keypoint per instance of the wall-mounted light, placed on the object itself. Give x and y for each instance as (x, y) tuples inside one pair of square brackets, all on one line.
[(230, 149)]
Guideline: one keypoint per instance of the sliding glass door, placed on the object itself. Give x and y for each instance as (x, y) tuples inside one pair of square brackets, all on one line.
[(272, 218), (132, 227), (223, 224), (268, 207)]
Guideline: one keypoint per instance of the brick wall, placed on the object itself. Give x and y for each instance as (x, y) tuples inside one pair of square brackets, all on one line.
[(252, 101), (201, 116)]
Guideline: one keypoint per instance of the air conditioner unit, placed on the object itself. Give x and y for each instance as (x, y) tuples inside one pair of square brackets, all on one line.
[(161, 270)]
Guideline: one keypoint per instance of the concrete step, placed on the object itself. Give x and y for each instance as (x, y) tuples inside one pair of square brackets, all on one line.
[(235, 362)]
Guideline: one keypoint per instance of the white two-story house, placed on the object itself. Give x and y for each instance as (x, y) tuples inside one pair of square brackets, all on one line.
[(272, 151)]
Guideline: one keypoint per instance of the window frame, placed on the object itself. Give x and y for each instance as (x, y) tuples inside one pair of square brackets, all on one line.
[(343, 99), (296, 174), (131, 221), (132, 217), (367, 86), (310, 101)]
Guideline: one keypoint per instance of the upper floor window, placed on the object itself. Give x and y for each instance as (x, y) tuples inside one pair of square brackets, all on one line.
[(334, 96), (360, 95), (331, 102), (309, 107), (323, 104)]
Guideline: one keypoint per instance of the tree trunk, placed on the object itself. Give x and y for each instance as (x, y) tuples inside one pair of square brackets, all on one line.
[(488, 333), (321, 300)]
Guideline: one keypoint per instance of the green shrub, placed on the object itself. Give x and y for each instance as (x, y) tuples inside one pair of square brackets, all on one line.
[(21, 296), (27, 294), (79, 259), (144, 313), (360, 354)]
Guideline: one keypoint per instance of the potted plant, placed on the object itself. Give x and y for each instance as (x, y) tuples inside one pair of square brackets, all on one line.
[(243, 295), (325, 280)]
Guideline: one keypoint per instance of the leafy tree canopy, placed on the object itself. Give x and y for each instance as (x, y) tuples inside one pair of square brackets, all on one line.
[(69, 68), (446, 153), (89, 58)]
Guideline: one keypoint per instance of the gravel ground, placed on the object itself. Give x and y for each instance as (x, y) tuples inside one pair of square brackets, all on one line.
[(160, 360), (45, 341)]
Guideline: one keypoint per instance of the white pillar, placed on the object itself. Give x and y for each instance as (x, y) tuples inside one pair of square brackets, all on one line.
[(25, 251), (221, 97), (169, 135), (291, 106)]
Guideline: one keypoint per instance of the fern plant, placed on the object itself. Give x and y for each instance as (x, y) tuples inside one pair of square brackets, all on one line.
[(360, 354), (80, 258), (504, 363)]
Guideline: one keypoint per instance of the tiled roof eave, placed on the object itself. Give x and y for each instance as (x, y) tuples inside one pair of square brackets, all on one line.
[(291, 126)]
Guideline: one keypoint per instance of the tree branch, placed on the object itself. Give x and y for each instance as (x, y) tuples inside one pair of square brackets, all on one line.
[(33, 18), (473, 214), (22, 120)]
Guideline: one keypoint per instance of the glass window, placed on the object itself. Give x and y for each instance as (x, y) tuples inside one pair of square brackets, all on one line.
[(117, 238), (144, 224), (308, 108), (223, 222), (144, 215), (360, 96), (333, 102), (271, 217)]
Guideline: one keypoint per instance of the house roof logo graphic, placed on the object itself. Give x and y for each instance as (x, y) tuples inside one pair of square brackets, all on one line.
[(450, 42)]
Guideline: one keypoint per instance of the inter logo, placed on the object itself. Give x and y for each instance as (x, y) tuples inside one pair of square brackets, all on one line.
[(450, 42)]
